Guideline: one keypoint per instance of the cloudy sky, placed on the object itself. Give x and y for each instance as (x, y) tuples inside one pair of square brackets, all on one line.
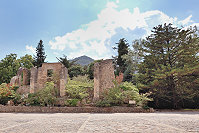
[(85, 27)]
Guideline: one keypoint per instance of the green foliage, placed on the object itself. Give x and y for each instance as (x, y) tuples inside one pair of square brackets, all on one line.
[(66, 62), (131, 92), (127, 86), (121, 94), (40, 57), (75, 70), (132, 59), (45, 97), (90, 70), (103, 103), (71, 102), (128, 74), (122, 50), (32, 99), (115, 95), (10, 65), (8, 68), (7, 93), (78, 87), (26, 61), (170, 66)]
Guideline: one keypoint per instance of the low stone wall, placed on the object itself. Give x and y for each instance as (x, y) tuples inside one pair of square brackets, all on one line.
[(36, 109)]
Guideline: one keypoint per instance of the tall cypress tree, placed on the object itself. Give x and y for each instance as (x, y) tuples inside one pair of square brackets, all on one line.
[(40, 55), (122, 50)]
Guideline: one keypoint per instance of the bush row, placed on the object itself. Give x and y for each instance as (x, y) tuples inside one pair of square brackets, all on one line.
[(79, 92)]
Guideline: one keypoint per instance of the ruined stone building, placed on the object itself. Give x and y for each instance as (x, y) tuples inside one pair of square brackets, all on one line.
[(30, 81)]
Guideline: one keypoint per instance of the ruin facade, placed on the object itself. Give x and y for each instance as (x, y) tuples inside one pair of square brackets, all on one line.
[(103, 77), (35, 79), (31, 81)]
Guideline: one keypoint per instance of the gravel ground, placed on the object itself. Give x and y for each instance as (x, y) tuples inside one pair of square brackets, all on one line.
[(162, 122)]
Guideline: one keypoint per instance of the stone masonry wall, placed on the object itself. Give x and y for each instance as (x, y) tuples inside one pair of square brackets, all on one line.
[(22, 79), (103, 77), (35, 79), (40, 76), (42, 73)]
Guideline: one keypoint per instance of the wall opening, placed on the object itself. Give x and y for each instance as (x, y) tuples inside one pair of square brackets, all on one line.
[(49, 72)]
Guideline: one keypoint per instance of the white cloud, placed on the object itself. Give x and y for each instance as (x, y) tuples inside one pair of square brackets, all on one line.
[(30, 49), (186, 20), (96, 38)]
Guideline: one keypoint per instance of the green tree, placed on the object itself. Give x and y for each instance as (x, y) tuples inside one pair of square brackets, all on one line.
[(132, 60), (122, 49), (90, 70), (66, 62), (75, 70), (26, 61), (40, 57), (170, 66), (8, 68)]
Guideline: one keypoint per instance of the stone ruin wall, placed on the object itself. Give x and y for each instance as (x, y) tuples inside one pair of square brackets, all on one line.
[(103, 77), (35, 79), (40, 76), (22, 79)]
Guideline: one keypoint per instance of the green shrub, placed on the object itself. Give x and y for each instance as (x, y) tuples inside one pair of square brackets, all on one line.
[(127, 86), (44, 97), (72, 102), (113, 96), (143, 100), (78, 87), (32, 99), (119, 94), (102, 103)]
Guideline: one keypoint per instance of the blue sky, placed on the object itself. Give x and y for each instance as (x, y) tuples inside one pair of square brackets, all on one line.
[(85, 27)]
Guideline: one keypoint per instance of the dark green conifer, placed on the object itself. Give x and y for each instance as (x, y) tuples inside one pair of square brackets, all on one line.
[(40, 55)]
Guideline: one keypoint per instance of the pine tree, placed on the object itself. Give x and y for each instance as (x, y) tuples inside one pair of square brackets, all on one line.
[(170, 65), (122, 50), (40, 57)]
